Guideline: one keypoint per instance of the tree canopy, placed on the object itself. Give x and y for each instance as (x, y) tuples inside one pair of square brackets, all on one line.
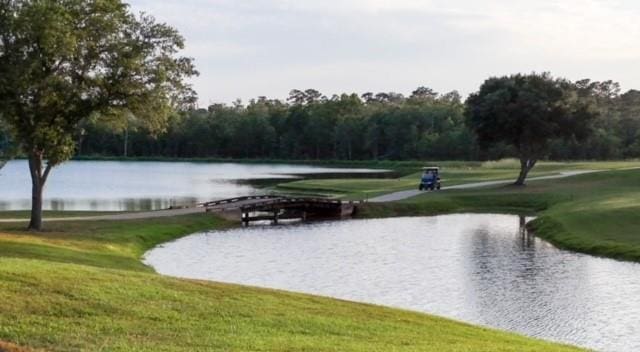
[(64, 61), (351, 127), (344, 126), (529, 112)]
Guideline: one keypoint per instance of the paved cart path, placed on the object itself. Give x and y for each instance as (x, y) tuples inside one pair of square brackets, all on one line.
[(225, 205), (401, 195)]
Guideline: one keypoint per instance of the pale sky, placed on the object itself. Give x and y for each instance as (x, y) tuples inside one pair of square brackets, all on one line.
[(248, 48)]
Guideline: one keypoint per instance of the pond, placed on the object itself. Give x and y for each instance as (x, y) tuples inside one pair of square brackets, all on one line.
[(113, 185), (479, 268)]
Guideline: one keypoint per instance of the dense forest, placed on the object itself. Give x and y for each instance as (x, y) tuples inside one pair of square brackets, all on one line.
[(309, 125)]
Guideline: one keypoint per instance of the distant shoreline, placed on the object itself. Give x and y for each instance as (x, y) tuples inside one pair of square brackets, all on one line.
[(336, 162)]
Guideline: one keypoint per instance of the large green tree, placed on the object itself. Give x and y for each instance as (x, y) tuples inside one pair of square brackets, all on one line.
[(65, 61), (528, 112)]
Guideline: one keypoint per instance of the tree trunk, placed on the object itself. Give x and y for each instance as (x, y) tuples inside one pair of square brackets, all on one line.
[(525, 166), (36, 207), (126, 142), (38, 179), (523, 225)]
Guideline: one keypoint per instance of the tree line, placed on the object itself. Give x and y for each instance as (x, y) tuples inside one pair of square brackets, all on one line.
[(309, 125)]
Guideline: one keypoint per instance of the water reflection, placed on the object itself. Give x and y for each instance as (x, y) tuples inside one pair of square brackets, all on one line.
[(521, 283), (484, 269), (111, 185)]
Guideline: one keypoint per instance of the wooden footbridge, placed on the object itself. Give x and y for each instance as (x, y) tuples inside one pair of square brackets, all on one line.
[(274, 208)]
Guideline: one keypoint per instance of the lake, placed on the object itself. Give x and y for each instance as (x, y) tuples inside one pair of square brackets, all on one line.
[(129, 185), (479, 268)]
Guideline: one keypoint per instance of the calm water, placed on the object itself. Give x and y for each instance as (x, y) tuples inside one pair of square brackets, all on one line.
[(476, 268), (112, 185)]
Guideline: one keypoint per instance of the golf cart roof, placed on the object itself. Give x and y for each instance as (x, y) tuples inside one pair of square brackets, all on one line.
[(430, 168)]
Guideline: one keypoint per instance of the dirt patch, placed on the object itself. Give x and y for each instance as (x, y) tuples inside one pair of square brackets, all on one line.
[(9, 347)]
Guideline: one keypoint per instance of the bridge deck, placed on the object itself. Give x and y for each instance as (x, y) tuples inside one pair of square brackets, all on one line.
[(279, 207)]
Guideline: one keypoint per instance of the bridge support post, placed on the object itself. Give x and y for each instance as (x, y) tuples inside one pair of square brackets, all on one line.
[(275, 216)]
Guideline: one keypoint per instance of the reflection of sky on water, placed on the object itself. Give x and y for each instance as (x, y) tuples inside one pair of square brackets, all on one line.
[(113, 185)]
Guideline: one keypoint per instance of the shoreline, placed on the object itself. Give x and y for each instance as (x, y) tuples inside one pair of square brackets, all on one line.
[(102, 257), (98, 254), (527, 225), (540, 198)]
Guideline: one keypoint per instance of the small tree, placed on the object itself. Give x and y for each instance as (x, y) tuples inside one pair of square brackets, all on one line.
[(528, 112), (63, 61)]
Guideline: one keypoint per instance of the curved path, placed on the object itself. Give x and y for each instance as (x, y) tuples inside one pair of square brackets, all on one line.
[(391, 197), (395, 196)]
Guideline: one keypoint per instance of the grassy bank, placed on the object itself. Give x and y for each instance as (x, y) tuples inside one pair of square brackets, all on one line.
[(595, 213), (80, 286), (453, 173)]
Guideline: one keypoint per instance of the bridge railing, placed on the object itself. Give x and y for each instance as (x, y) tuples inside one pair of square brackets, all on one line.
[(235, 200), (274, 200), (291, 201)]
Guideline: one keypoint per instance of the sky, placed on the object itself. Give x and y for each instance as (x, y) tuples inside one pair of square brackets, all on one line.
[(249, 48)]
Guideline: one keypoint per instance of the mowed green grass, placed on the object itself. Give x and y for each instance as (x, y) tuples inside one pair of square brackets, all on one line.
[(81, 287), (453, 173), (596, 213)]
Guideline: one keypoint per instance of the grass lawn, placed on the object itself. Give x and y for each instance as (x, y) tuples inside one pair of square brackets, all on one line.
[(81, 287), (596, 213), (453, 173)]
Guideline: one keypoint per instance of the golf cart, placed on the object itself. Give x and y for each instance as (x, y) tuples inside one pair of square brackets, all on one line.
[(430, 179)]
